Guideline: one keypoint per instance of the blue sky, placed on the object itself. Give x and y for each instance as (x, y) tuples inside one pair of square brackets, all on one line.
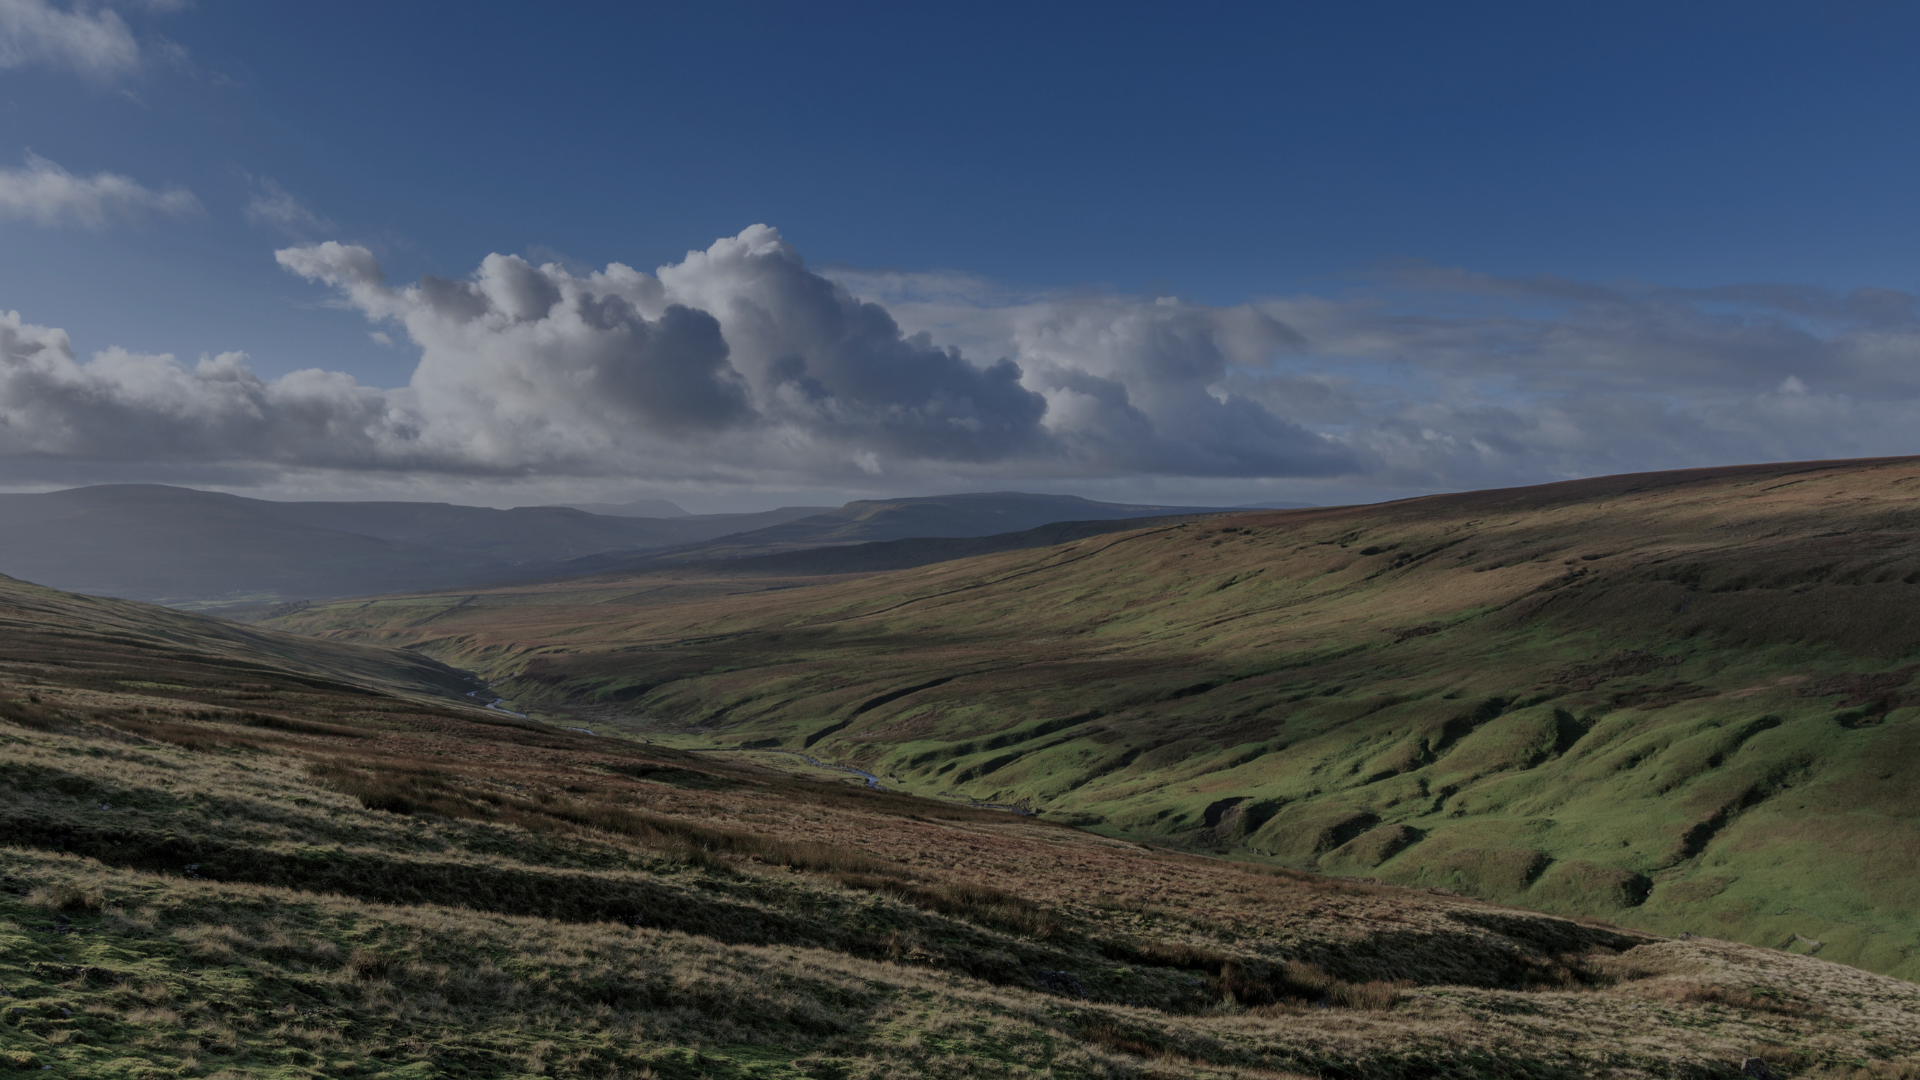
[(1502, 243)]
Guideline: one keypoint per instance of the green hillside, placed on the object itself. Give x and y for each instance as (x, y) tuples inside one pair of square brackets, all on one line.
[(1681, 701)]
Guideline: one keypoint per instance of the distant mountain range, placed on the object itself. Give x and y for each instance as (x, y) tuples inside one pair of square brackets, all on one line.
[(203, 549)]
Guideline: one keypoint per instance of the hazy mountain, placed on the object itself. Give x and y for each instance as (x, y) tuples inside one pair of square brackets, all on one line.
[(177, 545), (194, 548), (202, 548), (644, 508)]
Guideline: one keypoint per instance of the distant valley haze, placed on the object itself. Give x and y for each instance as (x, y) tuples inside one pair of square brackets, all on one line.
[(204, 549)]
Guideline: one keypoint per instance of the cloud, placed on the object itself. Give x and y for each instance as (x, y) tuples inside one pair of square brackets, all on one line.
[(96, 44), (1434, 378), (737, 358), (274, 207), (129, 407), (741, 365), (46, 194)]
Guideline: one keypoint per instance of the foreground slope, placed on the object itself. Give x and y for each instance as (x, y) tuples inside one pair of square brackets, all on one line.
[(298, 877), (1683, 701)]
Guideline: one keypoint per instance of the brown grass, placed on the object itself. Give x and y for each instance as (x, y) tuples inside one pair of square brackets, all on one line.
[(1748, 999), (68, 897)]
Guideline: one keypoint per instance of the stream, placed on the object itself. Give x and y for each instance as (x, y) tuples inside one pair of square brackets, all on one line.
[(872, 780)]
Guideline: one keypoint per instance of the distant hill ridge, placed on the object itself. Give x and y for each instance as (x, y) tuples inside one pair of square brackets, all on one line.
[(644, 508), (191, 548)]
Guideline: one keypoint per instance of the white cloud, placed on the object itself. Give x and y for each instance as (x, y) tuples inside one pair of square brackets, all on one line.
[(129, 407), (739, 365), (93, 43), (274, 207), (46, 194), (1435, 378)]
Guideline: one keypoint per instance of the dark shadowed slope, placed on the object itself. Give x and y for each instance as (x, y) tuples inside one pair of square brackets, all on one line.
[(1684, 700), (964, 516), (883, 555)]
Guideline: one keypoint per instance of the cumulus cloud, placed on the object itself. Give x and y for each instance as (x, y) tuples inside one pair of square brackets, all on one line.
[(739, 357), (46, 194), (93, 43), (123, 406), (740, 364)]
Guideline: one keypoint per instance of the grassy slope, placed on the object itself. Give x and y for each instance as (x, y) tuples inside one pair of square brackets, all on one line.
[(79, 639), (891, 534), (220, 864), (1681, 701)]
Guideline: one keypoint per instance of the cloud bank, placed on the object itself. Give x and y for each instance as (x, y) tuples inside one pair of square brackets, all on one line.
[(46, 194), (741, 365), (93, 43)]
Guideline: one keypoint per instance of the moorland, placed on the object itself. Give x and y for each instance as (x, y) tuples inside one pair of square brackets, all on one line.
[(234, 852), (1681, 702)]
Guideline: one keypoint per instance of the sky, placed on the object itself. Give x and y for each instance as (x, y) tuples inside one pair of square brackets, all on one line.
[(741, 255)]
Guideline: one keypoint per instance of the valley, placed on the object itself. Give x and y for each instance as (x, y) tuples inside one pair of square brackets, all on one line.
[(235, 852), (1682, 702)]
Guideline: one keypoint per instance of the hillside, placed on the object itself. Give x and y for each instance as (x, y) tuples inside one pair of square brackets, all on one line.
[(219, 863), (89, 641), (1003, 514), (1681, 701)]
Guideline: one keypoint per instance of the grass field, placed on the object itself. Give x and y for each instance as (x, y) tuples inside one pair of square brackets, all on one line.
[(1679, 701), (222, 862)]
